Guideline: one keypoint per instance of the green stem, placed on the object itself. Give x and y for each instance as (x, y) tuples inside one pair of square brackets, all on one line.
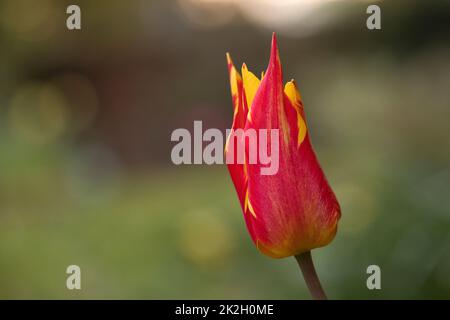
[(309, 273)]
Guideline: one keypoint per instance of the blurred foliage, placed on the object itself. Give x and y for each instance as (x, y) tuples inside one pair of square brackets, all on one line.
[(85, 171)]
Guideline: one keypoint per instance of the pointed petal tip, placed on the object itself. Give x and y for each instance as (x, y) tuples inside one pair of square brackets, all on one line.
[(293, 82), (274, 61), (229, 61), (274, 43)]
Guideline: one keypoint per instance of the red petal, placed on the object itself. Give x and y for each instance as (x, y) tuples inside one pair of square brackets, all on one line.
[(296, 210)]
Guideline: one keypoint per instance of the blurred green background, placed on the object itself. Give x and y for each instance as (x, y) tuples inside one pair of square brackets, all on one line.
[(85, 123)]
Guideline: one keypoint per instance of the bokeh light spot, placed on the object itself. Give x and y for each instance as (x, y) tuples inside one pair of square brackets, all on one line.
[(205, 238), (38, 113)]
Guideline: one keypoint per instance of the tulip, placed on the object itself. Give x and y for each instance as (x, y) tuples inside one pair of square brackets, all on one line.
[(295, 210)]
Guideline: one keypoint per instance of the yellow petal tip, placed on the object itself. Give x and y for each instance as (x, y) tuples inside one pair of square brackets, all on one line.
[(229, 58), (251, 84)]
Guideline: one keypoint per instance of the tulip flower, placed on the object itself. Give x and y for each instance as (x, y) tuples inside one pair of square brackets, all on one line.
[(295, 210)]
